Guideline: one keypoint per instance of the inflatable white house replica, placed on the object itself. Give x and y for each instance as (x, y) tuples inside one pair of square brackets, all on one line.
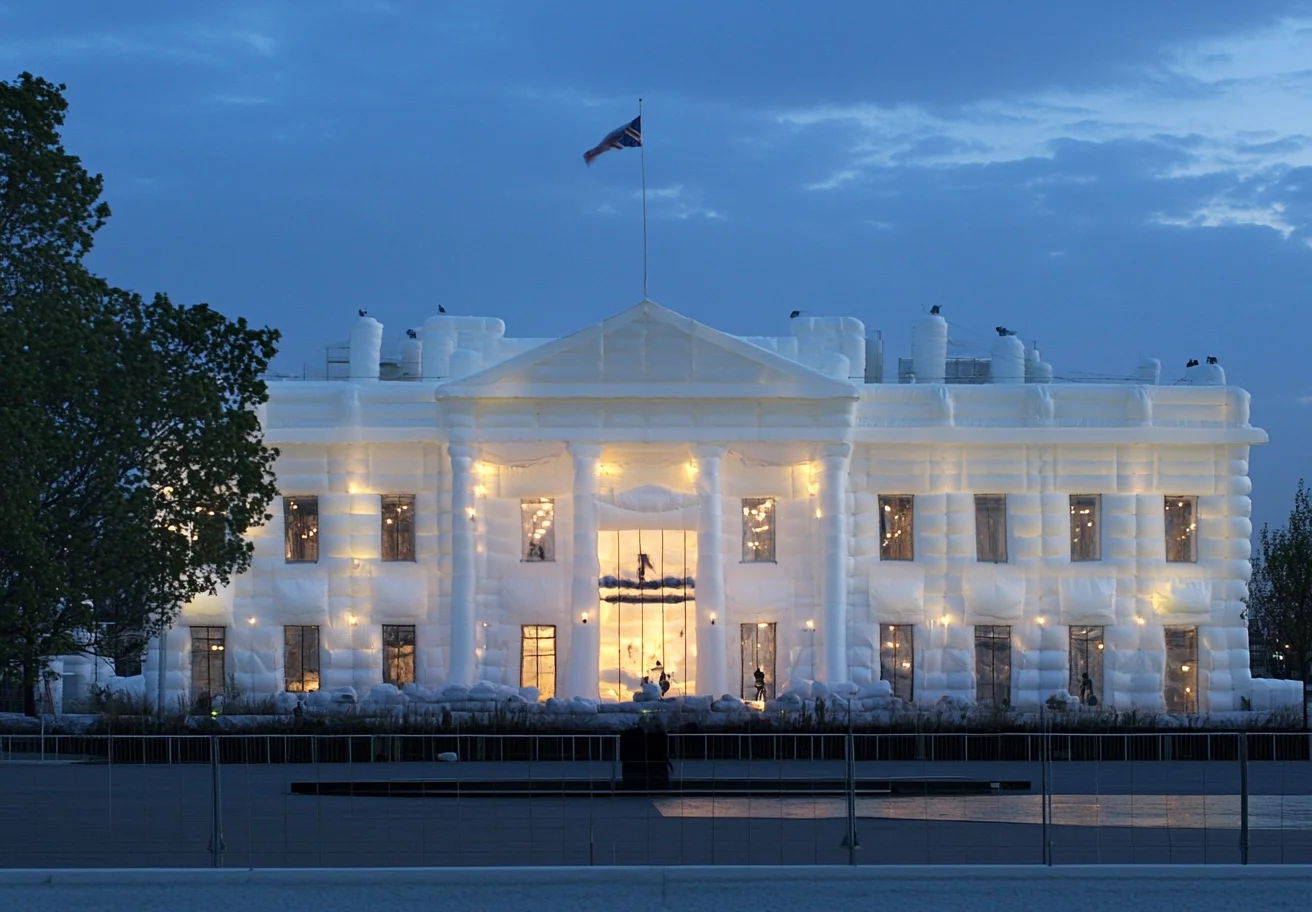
[(653, 502)]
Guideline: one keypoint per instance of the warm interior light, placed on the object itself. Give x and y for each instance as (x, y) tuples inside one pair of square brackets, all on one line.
[(584, 617), (810, 625), (251, 621), (351, 619), (818, 514), (944, 619), (1184, 667), (762, 625)]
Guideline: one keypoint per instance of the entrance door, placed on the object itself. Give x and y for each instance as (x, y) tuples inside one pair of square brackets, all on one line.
[(647, 611), (758, 652)]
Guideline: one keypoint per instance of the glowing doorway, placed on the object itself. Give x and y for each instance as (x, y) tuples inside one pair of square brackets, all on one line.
[(647, 610)]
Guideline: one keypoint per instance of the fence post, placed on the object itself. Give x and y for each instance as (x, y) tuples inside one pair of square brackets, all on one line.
[(1243, 798), (850, 840), (216, 835)]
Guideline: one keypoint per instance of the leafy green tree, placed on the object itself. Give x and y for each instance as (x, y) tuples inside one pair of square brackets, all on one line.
[(1280, 592), (131, 455)]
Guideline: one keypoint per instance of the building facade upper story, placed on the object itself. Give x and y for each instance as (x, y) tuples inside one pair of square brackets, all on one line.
[(652, 501)]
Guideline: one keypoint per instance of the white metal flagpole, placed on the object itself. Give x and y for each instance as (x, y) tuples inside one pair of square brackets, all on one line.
[(642, 152)]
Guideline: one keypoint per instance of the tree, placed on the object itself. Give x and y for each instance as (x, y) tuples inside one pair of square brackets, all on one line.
[(132, 457), (1280, 592)]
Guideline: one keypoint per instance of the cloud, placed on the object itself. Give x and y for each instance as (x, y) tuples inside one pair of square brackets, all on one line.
[(676, 202), (1229, 101), (1220, 214), (1217, 110)]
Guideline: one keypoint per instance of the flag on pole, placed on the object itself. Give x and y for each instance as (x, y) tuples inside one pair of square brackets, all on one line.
[(628, 136)]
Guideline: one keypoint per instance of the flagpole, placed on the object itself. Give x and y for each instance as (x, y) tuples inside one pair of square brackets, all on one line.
[(642, 151)]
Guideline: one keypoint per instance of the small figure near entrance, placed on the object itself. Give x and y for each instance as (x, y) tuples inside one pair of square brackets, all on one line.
[(662, 679), (1086, 691), (759, 677)]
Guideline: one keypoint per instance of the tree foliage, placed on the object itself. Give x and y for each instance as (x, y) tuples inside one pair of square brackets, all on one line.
[(1280, 592), (131, 454)]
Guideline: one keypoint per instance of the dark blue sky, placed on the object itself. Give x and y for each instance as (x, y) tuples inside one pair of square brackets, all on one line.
[(1116, 180)]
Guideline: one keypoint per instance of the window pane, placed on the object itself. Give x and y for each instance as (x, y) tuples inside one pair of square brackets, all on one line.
[(208, 650), (301, 522), (1086, 527), (991, 527), (301, 658), (896, 527), (1181, 528), (1087, 648), (758, 529), (993, 665), (398, 654), (398, 527), (538, 518), (897, 658), (1181, 690), (537, 662)]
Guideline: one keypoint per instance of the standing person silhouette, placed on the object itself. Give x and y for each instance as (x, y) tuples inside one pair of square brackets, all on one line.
[(1086, 690), (759, 677)]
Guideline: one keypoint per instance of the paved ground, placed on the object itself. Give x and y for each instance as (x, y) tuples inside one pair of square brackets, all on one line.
[(78, 815), (683, 890)]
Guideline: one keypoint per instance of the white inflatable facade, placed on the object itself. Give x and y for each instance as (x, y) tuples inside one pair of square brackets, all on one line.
[(651, 501)]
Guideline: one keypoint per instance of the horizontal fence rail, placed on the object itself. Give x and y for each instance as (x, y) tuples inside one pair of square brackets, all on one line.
[(274, 749), (1219, 746)]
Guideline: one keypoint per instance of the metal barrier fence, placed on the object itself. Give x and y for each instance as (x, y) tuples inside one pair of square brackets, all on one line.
[(294, 748), (600, 799), (1024, 748)]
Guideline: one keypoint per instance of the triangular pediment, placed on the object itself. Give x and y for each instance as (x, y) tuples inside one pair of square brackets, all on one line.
[(649, 351)]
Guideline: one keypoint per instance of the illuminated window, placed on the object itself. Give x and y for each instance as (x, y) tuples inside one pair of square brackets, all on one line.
[(991, 528), (537, 659), (896, 527), (301, 658), (398, 527), (897, 658), (993, 664), (1087, 648), (758, 642), (538, 519), (1181, 528), (208, 649), (301, 521), (758, 530), (399, 654), (1086, 527), (1181, 690)]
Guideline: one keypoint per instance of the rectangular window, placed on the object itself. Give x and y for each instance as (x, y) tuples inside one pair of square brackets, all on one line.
[(1086, 665), (301, 520), (208, 648), (1086, 527), (1181, 528), (991, 528), (398, 527), (399, 654), (538, 519), (993, 665), (758, 530), (1181, 669), (897, 658), (896, 527), (301, 658), (537, 659)]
